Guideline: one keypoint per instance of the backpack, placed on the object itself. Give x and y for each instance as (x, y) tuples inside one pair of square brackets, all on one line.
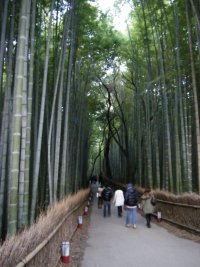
[(131, 198), (107, 194)]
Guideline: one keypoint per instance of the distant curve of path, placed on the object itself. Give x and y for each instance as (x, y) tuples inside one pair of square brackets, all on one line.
[(111, 244)]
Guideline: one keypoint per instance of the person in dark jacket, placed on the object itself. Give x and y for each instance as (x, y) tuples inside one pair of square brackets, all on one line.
[(131, 200), (106, 194)]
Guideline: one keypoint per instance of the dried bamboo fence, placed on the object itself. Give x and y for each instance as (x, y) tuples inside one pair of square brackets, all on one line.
[(183, 215), (48, 252)]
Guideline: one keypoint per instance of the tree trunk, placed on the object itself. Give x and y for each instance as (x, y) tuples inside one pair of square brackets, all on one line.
[(41, 124), (5, 136), (194, 87), (17, 122), (67, 103), (21, 192)]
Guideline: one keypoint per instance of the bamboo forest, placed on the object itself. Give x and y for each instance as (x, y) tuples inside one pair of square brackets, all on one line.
[(79, 97)]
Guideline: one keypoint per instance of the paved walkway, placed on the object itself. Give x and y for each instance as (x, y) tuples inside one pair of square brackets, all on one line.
[(111, 244)]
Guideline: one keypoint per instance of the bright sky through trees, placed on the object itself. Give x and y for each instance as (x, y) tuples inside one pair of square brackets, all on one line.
[(119, 16)]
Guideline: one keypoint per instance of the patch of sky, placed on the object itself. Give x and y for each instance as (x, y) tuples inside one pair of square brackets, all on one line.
[(118, 12)]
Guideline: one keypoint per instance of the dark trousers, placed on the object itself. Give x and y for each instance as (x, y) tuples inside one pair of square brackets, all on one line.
[(148, 219), (119, 210), (100, 201), (106, 208)]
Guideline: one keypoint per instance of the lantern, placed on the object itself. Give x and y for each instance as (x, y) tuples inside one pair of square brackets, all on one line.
[(80, 222), (86, 210), (65, 252), (158, 216)]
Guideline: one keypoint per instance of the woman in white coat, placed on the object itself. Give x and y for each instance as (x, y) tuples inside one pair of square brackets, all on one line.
[(118, 201)]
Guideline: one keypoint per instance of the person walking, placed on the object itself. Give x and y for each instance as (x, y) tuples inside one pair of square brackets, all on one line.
[(118, 201), (148, 205), (106, 194), (100, 200), (131, 199)]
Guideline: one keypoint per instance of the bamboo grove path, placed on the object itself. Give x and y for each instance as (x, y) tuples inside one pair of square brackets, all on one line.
[(111, 244)]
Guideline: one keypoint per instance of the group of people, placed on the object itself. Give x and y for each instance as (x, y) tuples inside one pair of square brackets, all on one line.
[(96, 179), (128, 201)]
